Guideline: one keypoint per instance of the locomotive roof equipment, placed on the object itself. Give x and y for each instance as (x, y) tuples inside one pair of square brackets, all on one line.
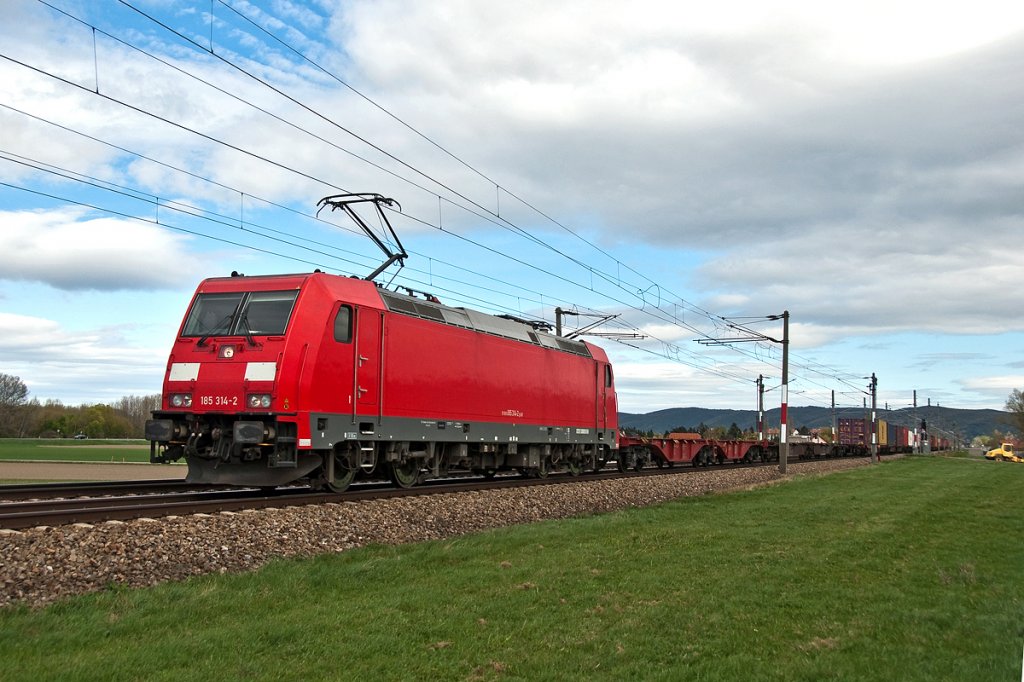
[(345, 203)]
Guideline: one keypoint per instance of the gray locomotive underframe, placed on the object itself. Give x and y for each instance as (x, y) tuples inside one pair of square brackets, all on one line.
[(489, 445), (330, 429)]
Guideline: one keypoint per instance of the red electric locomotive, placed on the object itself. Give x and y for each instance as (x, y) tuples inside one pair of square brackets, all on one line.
[(274, 379)]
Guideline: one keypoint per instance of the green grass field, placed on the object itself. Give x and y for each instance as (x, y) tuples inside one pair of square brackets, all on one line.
[(67, 449), (911, 570)]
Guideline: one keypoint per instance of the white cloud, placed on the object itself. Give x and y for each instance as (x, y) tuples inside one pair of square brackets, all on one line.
[(838, 283), (71, 249), (648, 386), (78, 366), (758, 119), (1002, 385), (21, 332)]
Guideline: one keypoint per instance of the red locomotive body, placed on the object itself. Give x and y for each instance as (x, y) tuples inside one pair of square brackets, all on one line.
[(278, 378)]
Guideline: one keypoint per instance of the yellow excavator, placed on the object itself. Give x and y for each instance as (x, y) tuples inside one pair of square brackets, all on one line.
[(1004, 453)]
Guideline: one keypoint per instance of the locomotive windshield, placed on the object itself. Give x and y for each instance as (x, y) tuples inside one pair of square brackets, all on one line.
[(240, 313)]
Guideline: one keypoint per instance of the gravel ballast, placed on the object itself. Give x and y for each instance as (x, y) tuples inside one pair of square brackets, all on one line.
[(40, 565)]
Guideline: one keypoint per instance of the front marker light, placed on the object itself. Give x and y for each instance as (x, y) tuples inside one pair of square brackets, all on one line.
[(181, 400)]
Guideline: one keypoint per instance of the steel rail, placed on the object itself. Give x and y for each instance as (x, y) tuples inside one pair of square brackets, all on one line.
[(28, 514), (25, 491)]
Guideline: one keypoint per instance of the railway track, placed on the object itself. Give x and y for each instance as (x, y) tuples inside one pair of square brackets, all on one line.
[(55, 512), (121, 501), (42, 491), (29, 513)]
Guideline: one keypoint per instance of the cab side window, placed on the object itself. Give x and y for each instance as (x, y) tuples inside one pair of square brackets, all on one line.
[(343, 324), (608, 376)]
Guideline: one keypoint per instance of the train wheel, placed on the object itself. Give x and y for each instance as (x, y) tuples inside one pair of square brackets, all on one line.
[(574, 467), (344, 472), (542, 470), (405, 474), (627, 461), (342, 479)]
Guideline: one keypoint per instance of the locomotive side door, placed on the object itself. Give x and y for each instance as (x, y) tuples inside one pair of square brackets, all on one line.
[(610, 400), (604, 388), (367, 373)]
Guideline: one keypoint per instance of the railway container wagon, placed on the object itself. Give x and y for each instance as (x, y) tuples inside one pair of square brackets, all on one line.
[(900, 439), (274, 379), (854, 436)]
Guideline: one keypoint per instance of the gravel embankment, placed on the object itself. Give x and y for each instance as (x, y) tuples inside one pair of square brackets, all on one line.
[(41, 565)]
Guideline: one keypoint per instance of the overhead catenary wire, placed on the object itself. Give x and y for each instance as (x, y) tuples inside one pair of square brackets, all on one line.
[(644, 308), (466, 164), (227, 221), (519, 289), (179, 125), (441, 147), (262, 110), (231, 223), (188, 211), (211, 217), (614, 281)]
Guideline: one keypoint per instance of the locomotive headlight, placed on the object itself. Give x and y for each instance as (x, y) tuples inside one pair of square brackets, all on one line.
[(181, 400), (259, 400)]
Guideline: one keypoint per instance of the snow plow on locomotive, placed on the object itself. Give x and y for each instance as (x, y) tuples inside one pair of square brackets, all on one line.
[(318, 377)]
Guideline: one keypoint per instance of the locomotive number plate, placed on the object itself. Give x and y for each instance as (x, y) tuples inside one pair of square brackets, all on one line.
[(218, 401)]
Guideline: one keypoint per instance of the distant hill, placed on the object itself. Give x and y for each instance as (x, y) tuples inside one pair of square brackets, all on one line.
[(969, 423)]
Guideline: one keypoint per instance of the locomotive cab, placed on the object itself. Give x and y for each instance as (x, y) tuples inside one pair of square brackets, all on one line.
[(226, 399)]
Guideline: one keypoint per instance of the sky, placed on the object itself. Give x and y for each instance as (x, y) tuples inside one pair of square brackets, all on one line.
[(683, 166)]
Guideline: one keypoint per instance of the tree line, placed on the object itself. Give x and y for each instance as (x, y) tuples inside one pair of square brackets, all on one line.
[(126, 418), (21, 417), (733, 432)]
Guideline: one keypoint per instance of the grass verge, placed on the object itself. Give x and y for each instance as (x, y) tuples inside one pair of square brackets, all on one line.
[(910, 570)]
